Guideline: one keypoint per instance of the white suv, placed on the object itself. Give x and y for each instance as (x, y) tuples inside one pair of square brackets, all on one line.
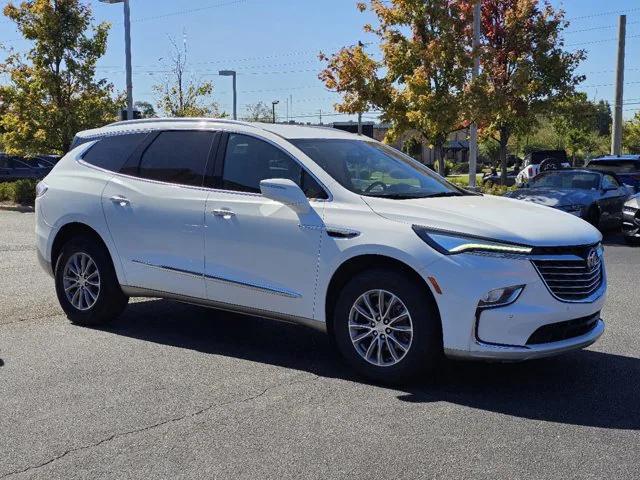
[(319, 227)]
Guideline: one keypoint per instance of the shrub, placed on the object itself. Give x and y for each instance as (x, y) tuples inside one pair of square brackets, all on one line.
[(460, 168), (21, 191), (448, 167)]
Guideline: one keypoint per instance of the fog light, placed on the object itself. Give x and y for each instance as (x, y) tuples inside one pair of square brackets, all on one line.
[(500, 297)]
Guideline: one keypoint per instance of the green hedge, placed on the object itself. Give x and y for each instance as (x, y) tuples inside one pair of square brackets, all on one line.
[(20, 191)]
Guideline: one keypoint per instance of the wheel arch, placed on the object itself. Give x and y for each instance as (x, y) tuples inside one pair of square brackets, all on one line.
[(74, 229), (359, 263)]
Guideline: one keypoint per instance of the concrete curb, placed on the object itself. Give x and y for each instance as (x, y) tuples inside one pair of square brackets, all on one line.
[(17, 208)]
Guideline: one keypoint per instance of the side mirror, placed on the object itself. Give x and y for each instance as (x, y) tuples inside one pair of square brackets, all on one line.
[(285, 191)]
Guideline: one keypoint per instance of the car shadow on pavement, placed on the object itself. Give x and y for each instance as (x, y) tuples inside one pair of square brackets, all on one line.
[(581, 388)]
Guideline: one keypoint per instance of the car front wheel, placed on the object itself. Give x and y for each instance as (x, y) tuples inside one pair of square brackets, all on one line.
[(86, 283), (387, 327)]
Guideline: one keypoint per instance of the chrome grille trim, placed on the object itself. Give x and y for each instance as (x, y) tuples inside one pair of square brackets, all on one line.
[(571, 280)]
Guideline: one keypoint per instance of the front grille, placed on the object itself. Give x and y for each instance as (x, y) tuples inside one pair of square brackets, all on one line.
[(571, 280), (630, 210), (555, 332)]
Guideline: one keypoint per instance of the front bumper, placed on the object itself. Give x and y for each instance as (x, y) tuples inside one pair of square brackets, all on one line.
[(505, 332), (488, 351), (631, 222)]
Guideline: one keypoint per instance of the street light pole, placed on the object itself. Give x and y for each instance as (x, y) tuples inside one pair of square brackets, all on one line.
[(127, 52), (232, 73), (473, 128), (273, 109)]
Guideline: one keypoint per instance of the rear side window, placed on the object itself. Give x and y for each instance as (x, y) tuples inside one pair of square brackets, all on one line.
[(177, 157), (110, 153)]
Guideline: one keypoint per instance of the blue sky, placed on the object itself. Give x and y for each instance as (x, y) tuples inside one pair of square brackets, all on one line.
[(273, 45)]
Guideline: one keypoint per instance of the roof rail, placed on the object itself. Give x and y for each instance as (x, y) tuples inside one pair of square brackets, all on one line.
[(180, 119)]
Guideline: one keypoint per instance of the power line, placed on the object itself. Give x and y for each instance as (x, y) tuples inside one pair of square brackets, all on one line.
[(599, 41), (603, 14), (571, 32)]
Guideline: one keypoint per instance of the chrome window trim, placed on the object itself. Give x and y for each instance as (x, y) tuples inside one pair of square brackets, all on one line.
[(262, 288), (81, 161)]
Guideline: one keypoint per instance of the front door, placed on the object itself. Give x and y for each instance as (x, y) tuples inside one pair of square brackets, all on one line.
[(155, 213), (259, 253)]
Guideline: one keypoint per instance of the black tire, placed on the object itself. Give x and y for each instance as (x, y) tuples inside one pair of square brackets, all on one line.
[(593, 216), (110, 301), (425, 351)]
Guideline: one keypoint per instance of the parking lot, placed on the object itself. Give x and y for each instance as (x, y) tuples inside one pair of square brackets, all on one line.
[(173, 390)]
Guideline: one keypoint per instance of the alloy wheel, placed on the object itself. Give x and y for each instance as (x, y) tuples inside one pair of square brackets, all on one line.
[(380, 328), (81, 281)]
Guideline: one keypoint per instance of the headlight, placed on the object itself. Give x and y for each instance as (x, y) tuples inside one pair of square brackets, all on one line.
[(500, 297), (41, 189), (570, 208), (449, 243)]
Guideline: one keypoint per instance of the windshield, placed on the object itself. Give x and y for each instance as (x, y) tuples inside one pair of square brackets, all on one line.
[(616, 166), (376, 170), (563, 180)]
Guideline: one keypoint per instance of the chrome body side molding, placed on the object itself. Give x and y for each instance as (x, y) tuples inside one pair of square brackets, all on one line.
[(228, 307)]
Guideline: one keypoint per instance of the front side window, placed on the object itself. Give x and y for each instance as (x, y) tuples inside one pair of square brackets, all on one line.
[(567, 180), (609, 183), (249, 160), (177, 157), (372, 169), (112, 152)]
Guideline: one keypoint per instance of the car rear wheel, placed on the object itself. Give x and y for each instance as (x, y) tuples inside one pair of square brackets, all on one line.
[(387, 326), (86, 283)]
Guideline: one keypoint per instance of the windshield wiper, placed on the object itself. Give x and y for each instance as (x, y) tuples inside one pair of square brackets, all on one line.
[(445, 194)]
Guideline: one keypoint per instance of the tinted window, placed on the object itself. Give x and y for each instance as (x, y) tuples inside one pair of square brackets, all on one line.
[(110, 153), (249, 160), (609, 182), (616, 166), (177, 157), (567, 179)]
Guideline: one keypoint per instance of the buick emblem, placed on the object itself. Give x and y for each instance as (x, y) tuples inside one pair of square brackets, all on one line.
[(592, 259)]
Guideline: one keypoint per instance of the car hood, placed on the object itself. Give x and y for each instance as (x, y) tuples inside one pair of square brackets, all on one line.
[(492, 217), (553, 197)]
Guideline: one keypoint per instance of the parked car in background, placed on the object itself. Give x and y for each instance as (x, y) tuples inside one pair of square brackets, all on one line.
[(319, 227), (541, 161), (40, 165), (15, 168), (595, 196), (495, 178), (631, 220), (626, 167)]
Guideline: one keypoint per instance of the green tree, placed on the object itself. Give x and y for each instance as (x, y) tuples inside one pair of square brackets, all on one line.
[(180, 96), (631, 134), (259, 112), (524, 67), (145, 108), (575, 121), (419, 82), (52, 92)]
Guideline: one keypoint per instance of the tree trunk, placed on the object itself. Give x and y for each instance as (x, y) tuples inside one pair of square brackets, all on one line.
[(504, 140), (440, 158)]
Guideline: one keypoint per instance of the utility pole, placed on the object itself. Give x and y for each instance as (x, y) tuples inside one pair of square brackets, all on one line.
[(127, 53), (473, 129), (273, 109), (232, 74), (616, 131), (320, 116), (359, 123)]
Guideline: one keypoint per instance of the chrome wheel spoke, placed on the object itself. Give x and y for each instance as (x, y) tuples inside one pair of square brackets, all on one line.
[(81, 281), (384, 340), (363, 313), (367, 302)]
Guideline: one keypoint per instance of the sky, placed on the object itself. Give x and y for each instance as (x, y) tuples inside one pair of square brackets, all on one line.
[(274, 45)]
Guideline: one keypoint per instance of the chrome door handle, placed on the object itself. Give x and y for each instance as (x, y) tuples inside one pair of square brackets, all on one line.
[(120, 200), (223, 212)]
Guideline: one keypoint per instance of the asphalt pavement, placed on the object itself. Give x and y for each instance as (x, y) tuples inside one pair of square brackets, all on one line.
[(177, 391)]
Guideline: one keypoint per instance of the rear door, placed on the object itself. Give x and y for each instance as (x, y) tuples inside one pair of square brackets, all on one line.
[(155, 212)]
